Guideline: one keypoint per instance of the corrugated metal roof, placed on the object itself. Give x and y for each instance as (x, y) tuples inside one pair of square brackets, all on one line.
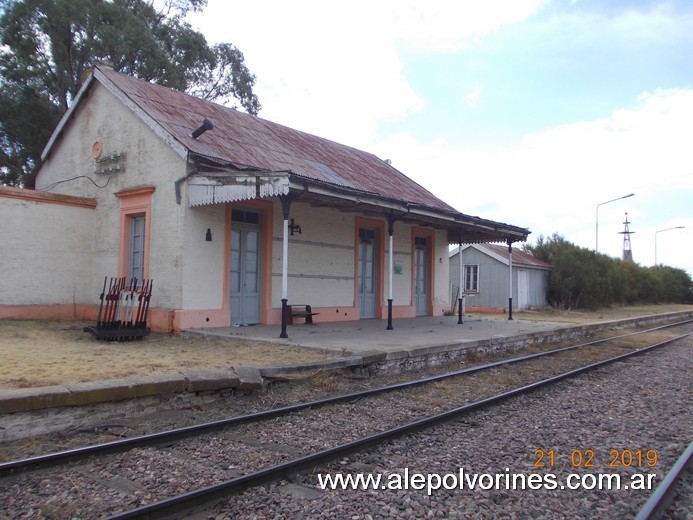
[(248, 141), (321, 171), (520, 258)]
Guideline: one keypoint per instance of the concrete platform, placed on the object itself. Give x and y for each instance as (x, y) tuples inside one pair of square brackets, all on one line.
[(357, 337), (411, 343)]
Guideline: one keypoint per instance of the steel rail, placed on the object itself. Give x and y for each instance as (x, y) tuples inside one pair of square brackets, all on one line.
[(65, 456), (195, 500), (658, 501)]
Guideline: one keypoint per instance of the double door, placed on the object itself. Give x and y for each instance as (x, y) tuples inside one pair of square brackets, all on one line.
[(421, 276), (245, 268), (367, 273)]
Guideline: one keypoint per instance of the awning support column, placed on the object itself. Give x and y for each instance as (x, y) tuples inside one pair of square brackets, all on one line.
[(390, 231), (460, 301), (510, 279), (286, 206)]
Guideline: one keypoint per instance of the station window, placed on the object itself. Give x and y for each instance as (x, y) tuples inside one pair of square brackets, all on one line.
[(135, 232), (136, 253), (471, 278)]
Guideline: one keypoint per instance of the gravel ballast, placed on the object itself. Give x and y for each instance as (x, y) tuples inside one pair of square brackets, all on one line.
[(641, 404)]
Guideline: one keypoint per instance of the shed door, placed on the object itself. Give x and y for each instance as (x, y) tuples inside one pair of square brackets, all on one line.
[(245, 267), (421, 276), (367, 273), (522, 289)]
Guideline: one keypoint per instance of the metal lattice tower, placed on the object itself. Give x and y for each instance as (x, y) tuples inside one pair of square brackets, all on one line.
[(627, 252)]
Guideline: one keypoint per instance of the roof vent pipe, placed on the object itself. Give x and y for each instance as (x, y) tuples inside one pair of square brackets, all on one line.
[(206, 125)]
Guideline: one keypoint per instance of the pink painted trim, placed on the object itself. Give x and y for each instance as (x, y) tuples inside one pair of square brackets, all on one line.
[(46, 197), (133, 203), (64, 311), (199, 318), (431, 236), (266, 208), (159, 320), (402, 311), (379, 227)]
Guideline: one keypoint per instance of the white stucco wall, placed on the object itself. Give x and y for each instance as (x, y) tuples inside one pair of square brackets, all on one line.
[(441, 297), (149, 162), (321, 257), (203, 265), (46, 253), (401, 282)]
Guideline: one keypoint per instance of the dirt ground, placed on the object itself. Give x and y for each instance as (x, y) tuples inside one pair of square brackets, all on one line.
[(43, 353)]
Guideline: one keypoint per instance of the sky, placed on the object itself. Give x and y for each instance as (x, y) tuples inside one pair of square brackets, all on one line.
[(527, 112)]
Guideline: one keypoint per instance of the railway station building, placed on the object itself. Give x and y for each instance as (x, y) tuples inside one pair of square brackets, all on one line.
[(233, 217)]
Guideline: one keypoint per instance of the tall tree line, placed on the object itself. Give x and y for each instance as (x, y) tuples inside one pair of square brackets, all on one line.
[(47, 47), (584, 279)]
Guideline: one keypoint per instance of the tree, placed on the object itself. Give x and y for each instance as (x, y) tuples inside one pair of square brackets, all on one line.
[(48, 46), (582, 278)]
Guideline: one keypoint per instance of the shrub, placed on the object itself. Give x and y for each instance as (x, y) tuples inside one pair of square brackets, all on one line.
[(584, 279)]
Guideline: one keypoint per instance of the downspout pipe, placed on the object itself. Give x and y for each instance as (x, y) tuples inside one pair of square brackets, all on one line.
[(184, 178)]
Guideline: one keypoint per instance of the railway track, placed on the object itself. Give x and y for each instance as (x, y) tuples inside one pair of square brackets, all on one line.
[(228, 451), (656, 505)]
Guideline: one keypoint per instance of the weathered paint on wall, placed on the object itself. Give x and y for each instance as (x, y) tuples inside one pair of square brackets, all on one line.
[(441, 299), (321, 257), (493, 281), (60, 276), (148, 161), (321, 269)]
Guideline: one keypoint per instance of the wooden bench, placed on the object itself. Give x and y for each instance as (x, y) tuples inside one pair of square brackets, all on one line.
[(299, 311)]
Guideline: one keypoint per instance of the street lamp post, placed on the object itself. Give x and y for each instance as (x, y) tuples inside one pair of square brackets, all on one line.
[(660, 231), (596, 226)]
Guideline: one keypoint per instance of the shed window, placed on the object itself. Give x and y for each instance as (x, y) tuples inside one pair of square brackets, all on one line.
[(471, 278)]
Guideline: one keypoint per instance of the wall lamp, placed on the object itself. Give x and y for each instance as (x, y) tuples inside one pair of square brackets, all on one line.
[(294, 227)]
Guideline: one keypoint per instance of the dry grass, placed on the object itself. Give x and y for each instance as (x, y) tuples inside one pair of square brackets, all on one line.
[(43, 353), (580, 317)]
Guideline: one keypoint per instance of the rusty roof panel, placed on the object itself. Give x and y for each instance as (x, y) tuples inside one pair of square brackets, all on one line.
[(520, 258), (239, 138)]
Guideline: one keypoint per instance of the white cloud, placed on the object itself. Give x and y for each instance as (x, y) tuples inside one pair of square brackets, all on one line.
[(328, 68), (473, 97), (335, 69), (551, 181), (446, 26)]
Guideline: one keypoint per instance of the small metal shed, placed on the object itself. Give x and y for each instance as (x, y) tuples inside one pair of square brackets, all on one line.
[(485, 278)]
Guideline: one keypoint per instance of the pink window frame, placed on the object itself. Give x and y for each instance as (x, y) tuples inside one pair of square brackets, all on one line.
[(134, 203)]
